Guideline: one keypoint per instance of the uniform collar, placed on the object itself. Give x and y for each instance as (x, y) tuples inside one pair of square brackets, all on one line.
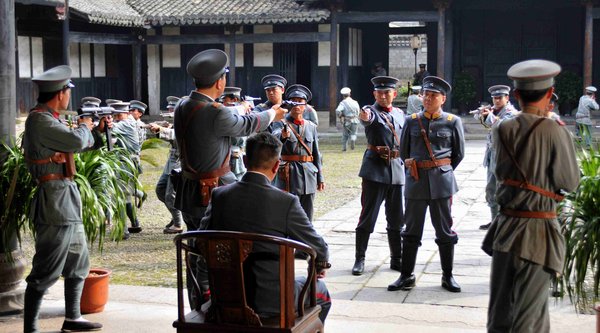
[(434, 116), (386, 109), (200, 96), (44, 107)]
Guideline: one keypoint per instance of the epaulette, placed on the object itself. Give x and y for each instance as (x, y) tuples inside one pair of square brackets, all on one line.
[(450, 116), (560, 122), (413, 116)]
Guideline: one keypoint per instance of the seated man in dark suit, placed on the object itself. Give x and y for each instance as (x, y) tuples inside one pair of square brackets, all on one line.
[(254, 205)]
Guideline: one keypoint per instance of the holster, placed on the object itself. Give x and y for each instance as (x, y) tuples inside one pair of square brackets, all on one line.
[(206, 187), (70, 169), (385, 153), (283, 173), (412, 167)]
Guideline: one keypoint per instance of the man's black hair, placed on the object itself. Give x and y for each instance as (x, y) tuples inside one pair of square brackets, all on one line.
[(532, 96), (262, 149), (45, 97), (199, 85)]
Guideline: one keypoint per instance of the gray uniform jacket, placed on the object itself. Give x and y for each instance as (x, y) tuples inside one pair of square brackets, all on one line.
[(447, 141), (127, 134), (57, 202), (586, 105), (492, 119), (274, 126), (414, 104), (204, 138), (304, 176), (378, 133), (550, 163), (348, 109), (253, 205)]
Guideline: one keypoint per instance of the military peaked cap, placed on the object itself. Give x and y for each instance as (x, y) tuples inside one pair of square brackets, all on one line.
[(422, 65), (235, 91), (537, 74), (384, 82), (499, 90), (54, 79), (273, 80), (208, 66), (298, 91), (110, 101), (172, 101), (345, 91), (90, 101), (135, 104), (120, 107), (590, 89), (416, 88), (436, 84)]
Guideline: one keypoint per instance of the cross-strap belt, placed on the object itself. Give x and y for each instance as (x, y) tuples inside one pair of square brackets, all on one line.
[(68, 159), (426, 164)]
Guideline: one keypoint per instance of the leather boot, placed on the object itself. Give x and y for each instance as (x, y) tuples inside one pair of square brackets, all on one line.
[(135, 224), (395, 243), (362, 241), (407, 279), (447, 261)]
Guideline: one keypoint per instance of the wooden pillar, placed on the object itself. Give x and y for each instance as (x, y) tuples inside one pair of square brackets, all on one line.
[(65, 35), (8, 83), (588, 44), (441, 6), (344, 52), (333, 86), (137, 71), (231, 81)]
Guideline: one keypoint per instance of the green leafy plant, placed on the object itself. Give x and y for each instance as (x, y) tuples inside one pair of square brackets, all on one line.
[(463, 88), (104, 178), (568, 87), (581, 214)]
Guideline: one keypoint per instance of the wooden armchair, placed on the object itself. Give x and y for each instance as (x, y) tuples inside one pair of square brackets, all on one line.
[(225, 253)]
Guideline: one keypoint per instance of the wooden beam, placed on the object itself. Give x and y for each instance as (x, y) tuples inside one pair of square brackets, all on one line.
[(379, 17), (408, 31), (286, 37), (99, 38)]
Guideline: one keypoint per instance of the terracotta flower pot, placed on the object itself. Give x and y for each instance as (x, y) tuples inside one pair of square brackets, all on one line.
[(95, 291), (597, 308)]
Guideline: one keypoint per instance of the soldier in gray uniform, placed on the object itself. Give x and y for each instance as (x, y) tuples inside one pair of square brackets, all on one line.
[(203, 129), (583, 117), (420, 75), (126, 133), (165, 192), (60, 241), (90, 101), (300, 172), (137, 110), (433, 145), (489, 117), (414, 103), (535, 163), (347, 111), (382, 172), (232, 98)]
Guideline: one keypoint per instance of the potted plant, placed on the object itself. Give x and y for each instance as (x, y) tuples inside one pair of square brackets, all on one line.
[(581, 214), (463, 91), (568, 87), (95, 291)]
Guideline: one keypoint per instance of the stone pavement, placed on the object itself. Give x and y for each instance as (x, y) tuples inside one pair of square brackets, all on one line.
[(360, 303)]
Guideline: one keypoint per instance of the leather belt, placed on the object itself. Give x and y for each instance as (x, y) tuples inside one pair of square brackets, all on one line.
[(51, 176), (537, 189), (427, 164), (394, 154), (58, 158), (527, 214), (296, 158), (207, 175)]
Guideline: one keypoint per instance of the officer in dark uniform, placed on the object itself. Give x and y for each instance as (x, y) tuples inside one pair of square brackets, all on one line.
[(203, 129), (301, 172), (433, 145), (60, 242), (420, 75), (382, 172), (274, 86)]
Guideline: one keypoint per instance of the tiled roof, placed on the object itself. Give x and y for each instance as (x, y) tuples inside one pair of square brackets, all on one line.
[(192, 12), (140, 13), (108, 12)]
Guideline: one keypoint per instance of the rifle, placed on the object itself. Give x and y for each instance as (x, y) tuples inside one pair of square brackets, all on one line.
[(96, 113)]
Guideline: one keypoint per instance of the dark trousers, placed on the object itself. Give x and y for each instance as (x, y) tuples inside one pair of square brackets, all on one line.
[(519, 293), (197, 269), (306, 201), (372, 196), (439, 209)]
